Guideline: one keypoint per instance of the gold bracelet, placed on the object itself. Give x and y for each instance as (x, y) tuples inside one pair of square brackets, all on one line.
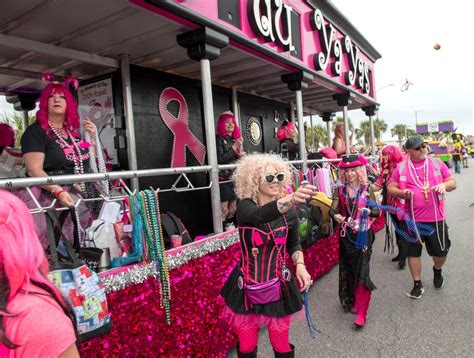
[(300, 263)]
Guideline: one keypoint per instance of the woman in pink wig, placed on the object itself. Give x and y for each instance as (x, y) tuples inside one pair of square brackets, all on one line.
[(52, 146), (391, 157), (229, 148), (34, 319), (349, 209), (287, 136)]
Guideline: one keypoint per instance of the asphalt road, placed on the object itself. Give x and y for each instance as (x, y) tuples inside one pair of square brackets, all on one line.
[(440, 324)]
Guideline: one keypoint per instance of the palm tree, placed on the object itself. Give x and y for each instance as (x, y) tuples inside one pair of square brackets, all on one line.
[(364, 131), (380, 127), (401, 131), (320, 136), (410, 132)]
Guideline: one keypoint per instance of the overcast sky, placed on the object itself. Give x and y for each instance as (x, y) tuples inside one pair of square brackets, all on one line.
[(404, 32)]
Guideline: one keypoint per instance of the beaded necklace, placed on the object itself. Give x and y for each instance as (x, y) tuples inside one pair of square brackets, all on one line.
[(149, 204), (425, 186), (442, 243), (97, 162), (75, 156), (355, 197), (351, 214)]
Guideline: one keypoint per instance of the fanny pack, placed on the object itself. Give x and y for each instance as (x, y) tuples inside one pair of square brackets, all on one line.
[(265, 292)]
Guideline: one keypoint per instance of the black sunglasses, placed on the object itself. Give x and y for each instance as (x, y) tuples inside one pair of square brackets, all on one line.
[(270, 178), (422, 146)]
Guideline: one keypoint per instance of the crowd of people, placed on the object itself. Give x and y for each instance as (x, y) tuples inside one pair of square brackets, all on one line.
[(261, 290), (413, 186)]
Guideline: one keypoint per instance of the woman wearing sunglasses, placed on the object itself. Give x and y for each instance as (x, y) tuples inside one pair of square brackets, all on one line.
[(349, 209), (261, 290)]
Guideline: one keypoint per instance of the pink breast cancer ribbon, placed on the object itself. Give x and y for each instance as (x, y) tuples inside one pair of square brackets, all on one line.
[(183, 137)]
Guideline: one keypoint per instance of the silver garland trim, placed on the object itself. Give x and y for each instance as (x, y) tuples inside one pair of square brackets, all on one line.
[(139, 273)]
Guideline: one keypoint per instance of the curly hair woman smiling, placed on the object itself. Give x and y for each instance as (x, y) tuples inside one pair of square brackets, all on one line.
[(261, 290)]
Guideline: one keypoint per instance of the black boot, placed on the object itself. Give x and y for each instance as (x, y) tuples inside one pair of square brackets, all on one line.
[(289, 354), (396, 258), (247, 355), (402, 264)]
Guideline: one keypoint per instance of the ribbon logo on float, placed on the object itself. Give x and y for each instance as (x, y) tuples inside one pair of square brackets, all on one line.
[(183, 137)]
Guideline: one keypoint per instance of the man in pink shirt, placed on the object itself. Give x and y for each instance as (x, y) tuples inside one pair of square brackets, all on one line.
[(420, 183)]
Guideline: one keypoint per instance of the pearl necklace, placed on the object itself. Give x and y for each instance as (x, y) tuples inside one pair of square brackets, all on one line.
[(75, 156), (414, 177), (97, 162)]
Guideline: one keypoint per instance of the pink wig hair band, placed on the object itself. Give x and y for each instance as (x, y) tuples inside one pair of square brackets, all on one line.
[(221, 124)]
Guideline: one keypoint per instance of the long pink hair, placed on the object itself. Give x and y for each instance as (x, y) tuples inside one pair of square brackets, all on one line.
[(22, 259), (72, 116), (284, 131), (220, 131), (394, 155), (361, 174)]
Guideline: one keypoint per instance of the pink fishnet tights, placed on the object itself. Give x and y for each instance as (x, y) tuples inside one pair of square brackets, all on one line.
[(279, 337), (248, 337)]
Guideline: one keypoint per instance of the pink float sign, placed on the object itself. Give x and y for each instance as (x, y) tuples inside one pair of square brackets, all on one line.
[(293, 29)]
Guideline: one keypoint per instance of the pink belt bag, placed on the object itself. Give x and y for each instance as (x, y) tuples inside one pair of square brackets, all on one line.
[(265, 292)]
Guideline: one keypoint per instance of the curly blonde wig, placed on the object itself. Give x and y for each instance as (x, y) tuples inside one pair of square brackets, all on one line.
[(251, 169)]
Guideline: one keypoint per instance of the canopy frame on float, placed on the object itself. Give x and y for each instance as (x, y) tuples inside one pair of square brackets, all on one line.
[(94, 44)]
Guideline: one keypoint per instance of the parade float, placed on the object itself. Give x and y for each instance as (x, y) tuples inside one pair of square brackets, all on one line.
[(439, 137), (147, 81)]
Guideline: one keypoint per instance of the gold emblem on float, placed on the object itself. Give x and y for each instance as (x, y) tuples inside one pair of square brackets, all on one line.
[(254, 131)]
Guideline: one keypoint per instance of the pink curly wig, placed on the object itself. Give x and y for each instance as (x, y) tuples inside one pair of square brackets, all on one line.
[(250, 170), (394, 156), (284, 131), (220, 131), (361, 174), (72, 116)]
